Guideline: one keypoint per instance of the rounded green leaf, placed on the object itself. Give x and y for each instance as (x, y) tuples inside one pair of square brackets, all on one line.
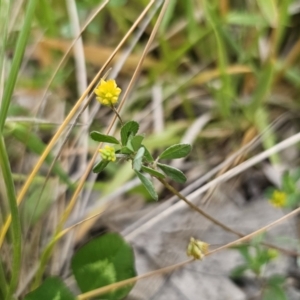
[(176, 151), (148, 157), (103, 261), (147, 184), (51, 289), (173, 173), (99, 137), (100, 166), (128, 129)]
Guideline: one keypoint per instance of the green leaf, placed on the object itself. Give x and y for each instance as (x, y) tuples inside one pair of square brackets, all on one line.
[(276, 280), (103, 261), (153, 172), (274, 292), (245, 19), (147, 184), (138, 159), (100, 166), (238, 271), (176, 151), (136, 142), (99, 137), (269, 10), (148, 155), (126, 150), (293, 200), (244, 251), (128, 129), (288, 184), (51, 289), (173, 173)]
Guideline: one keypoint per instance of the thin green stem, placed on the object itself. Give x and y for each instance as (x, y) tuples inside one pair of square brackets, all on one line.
[(215, 221), (17, 60), (16, 225), (117, 114), (196, 208)]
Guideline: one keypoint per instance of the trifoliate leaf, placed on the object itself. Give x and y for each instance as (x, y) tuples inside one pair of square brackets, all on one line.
[(102, 261), (52, 288), (128, 129), (148, 185), (138, 159), (173, 173), (176, 151), (100, 166), (153, 172), (99, 137)]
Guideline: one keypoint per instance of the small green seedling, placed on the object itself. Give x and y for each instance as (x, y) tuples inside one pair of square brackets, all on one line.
[(131, 148)]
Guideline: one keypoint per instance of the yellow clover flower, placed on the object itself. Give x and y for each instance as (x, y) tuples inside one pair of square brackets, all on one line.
[(108, 92), (108, 153), (279, 199)]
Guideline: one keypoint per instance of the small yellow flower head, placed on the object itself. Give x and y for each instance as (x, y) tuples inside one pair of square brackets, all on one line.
[(197, 249), (108, 92), (279, 199), (108, 153)]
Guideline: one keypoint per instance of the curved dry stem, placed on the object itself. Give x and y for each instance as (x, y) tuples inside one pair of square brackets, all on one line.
[(217, 222)]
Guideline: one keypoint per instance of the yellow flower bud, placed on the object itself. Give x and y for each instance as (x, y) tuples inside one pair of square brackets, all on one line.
[(108, 92), (108, 153), (279, 199), (197, 249)]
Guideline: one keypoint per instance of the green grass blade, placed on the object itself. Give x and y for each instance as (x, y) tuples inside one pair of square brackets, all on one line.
[(17, 60), (265, 80), (3, 282), (4, 19), (225, 94), (35, 144), (16, 225)]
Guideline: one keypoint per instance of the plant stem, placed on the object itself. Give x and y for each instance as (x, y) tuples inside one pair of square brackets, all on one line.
[(215, 221), (199, 210), (117, 114), (16, 225)]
